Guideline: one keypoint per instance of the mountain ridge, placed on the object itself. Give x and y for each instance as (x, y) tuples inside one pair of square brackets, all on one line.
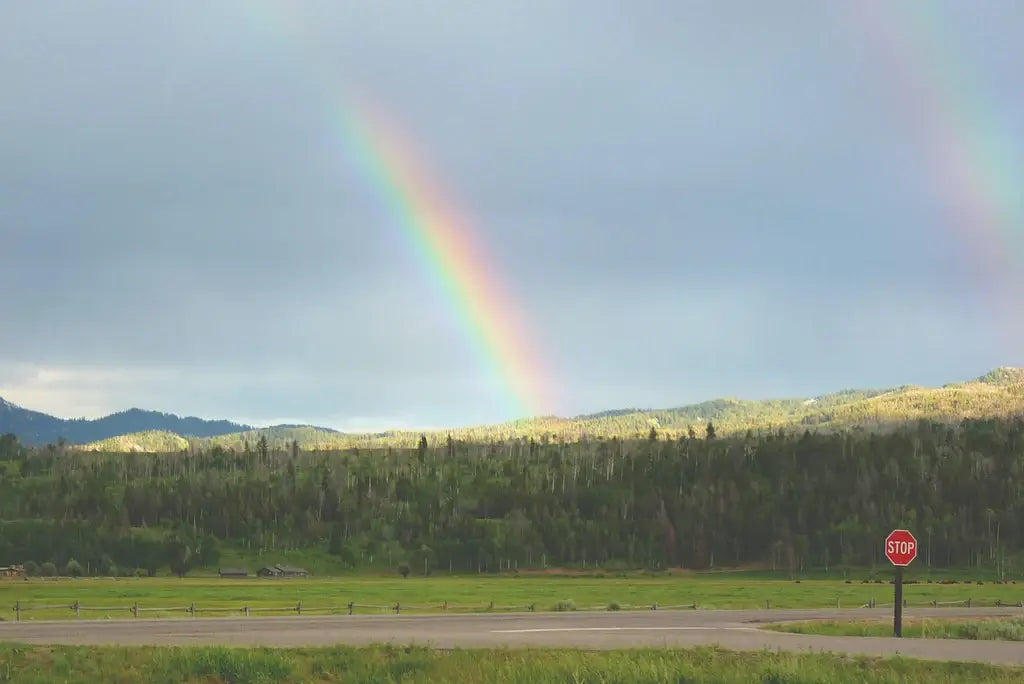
[(1000, 392), (34, 428)]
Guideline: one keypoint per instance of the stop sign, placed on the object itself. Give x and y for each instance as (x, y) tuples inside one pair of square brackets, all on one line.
[(900, 548)]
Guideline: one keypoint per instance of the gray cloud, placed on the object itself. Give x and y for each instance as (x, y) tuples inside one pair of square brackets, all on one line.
[(686, 200)]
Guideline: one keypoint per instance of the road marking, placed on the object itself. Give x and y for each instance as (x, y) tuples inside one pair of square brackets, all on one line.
[(624, 629)]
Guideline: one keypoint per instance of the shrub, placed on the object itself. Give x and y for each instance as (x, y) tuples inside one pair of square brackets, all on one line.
[(47, 569), (73, 569), (614, 606), (564, 606), (31, 568)]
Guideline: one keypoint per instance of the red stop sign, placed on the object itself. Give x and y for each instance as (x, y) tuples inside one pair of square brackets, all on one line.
[(900, 548)]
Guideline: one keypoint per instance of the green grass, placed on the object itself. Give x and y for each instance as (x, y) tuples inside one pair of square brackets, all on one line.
[(927, 628), (316, 560), (470, 593), (45, 664)]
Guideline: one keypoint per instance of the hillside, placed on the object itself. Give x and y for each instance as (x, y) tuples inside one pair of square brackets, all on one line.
[(153, 441), (999, 393)]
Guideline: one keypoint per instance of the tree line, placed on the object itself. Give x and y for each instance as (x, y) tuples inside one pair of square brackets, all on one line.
[(787, 499)]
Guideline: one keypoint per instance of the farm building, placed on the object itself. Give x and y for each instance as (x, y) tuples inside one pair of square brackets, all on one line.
[(12, 571), (281, 571), (234, 572)]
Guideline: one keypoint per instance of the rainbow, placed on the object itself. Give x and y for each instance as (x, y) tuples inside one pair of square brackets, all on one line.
[(449, 251), (975, 160), (437, 233)]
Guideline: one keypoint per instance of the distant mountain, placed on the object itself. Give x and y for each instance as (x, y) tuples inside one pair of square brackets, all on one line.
[(35, 428), (999, 393)]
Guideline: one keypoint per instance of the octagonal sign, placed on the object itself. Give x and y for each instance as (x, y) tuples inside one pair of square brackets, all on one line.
[(900, 548)]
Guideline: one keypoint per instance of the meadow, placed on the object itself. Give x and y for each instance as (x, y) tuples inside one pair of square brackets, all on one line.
[(43, 664), (109, 597)]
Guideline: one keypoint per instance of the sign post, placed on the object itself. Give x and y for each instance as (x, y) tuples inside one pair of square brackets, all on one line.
[(901, 550)]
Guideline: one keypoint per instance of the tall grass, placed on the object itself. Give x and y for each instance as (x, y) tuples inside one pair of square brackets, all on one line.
[(981, 629), (24, 664)]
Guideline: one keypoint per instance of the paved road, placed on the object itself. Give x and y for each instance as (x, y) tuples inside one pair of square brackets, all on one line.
[(733, 629)]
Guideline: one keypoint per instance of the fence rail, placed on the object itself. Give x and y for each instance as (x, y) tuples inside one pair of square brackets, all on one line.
[(351, 608)]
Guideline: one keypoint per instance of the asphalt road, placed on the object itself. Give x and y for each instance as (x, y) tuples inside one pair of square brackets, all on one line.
[(732, 629)]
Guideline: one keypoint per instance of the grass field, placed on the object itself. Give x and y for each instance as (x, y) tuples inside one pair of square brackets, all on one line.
[(41, 664), (996, 629), (104, 597)]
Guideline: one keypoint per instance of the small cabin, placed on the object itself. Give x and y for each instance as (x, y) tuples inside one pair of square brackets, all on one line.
[(281, 571)]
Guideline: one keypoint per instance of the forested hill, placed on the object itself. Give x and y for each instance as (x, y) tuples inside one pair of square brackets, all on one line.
[(994, 395), (34, 428), (789, 500), (999, 393)]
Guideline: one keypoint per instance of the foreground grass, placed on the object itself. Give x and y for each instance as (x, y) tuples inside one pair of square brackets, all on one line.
[(987, 629), (112, 598), (45, 664)]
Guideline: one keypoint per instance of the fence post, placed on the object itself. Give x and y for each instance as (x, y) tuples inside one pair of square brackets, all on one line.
[(247, 611), (351, 607), (135, 609), (17, 611), (655, 606), (445, 607), (78, 609), (398, 607), (298, 608), (533, 607), (767, 604), (491, 607), (968, 603), (192, 608)]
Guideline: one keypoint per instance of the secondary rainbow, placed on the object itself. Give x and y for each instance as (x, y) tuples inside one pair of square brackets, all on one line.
[(449, 251), (976, 159)]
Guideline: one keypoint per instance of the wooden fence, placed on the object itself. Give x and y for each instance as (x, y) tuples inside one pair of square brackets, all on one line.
[(351, 608), (298, 608)]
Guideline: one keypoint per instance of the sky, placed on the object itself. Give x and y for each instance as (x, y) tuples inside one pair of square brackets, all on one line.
[(683, 200)]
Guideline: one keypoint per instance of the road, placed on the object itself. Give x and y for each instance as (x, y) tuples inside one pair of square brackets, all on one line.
[(732, 629)]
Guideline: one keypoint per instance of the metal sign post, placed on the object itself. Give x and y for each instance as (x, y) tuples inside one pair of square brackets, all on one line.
[(901, 550)]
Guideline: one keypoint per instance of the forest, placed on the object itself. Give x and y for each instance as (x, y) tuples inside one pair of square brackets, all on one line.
[(787, 499)]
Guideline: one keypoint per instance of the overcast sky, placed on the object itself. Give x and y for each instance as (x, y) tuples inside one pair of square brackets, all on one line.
[(686, 200)]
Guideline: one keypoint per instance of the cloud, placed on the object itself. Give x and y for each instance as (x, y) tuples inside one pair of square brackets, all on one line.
[(685, 200), (74, 392)]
